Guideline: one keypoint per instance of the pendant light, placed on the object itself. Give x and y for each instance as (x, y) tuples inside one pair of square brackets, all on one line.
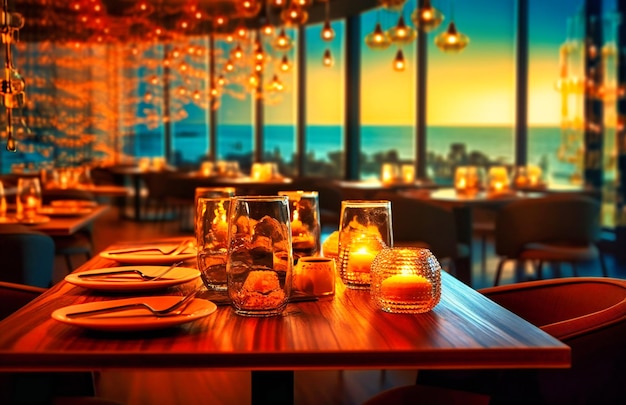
[(399, 64), (451, 41), (402, 34), (378, 39), (427, 18), (328, 58)]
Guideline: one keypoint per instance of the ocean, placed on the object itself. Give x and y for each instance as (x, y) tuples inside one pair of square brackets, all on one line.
[(190, 144)]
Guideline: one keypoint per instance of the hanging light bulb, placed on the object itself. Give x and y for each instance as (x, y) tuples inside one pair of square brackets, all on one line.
[(283, 42), (221, 80), (285, 66), (248, 8), (399, 63), (241, 32), (214, 92), (378, 39), (229, 66), (278, 3), (294, 15), (238, 52), (427, 18), (303, 3), (451, 41), (402, 34), (393, 5), (267, 29), (328, 58), (276, 84), (327, 31)]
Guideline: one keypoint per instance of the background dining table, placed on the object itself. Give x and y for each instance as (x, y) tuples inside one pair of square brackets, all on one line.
[(464, 331)]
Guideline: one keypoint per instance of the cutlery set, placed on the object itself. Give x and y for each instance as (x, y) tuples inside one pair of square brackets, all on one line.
[(180, 248), (145, 277)]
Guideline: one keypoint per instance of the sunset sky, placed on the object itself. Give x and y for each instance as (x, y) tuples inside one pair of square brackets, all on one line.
[(474, 87)]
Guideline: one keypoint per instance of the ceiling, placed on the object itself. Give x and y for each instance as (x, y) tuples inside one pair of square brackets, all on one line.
[(126, 20)]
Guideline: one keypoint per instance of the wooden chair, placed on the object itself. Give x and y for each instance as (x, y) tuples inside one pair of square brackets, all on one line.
[(555, 229), (13, 296), (586, 313), (27, 256)]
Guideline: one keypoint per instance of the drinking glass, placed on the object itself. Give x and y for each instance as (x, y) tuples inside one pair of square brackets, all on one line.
[(259, 260), (212, 240), (28, 199), (208, 192), (305, 223), (365, 229)]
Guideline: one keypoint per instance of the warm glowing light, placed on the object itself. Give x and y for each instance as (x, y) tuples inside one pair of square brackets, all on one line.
[(402, 34), (328, 58), (277, 84), (283, 42), (238, 52), (229, 66), (378, 39), (285, 66), (427, 18), (268, 29), (399, 63), (327, 32), (451, 40)]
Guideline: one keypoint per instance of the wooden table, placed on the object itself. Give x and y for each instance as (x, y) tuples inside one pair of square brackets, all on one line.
[(464, 331), (68, 225), (463, 206)]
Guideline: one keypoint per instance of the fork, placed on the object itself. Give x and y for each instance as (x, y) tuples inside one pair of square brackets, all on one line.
[(175, 309), (174, 251), (141, 274)]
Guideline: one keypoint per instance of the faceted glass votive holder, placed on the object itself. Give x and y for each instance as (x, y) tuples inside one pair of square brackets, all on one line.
[(406, 280)]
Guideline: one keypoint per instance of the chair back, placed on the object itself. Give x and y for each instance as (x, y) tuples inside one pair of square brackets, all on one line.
[(568, 219), (27, 256), (589, 315), (423, 223)]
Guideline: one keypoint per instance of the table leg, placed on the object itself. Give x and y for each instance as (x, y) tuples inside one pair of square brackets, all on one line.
[(463, 266), (137, 201), (272, 387)]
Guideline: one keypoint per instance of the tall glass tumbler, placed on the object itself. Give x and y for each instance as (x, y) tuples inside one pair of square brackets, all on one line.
[(212, 241), (208, 192), (305, 223), (260, 260), (365, 229), (28, 199)]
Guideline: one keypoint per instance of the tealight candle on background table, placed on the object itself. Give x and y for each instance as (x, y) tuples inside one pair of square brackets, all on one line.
[(406, 280)]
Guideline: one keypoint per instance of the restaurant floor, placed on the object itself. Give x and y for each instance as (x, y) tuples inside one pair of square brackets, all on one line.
[(233, 387)]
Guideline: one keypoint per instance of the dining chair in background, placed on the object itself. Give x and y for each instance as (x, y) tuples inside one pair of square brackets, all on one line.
[(79, 243), (13, 296), (554, 229), (586, 313), (420, 223), (27, 256)]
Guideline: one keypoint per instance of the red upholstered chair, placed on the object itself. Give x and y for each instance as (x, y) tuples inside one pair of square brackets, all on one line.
[(555, 229), (586, 313)]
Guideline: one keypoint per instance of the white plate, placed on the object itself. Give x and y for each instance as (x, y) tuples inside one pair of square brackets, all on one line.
[(73, 203), (134, 319), (151, 257), (64, 211), (130, 282)]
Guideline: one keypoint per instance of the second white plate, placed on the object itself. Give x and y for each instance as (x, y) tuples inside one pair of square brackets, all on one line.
[(149, 257), (130, 282), (134, 319)]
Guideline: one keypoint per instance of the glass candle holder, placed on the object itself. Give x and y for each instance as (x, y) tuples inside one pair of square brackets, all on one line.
[(212, 240), (469, 179), (208, 192), (305, 222), (28, 199), (406, 280), (364, 230), (314, 276), (259, 260), (408, 173), (498, 180), (389, 173)]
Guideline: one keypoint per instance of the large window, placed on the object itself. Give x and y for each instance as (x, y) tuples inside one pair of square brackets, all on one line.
[(325, 95), (555, 93), (471, 95), (387, 97)]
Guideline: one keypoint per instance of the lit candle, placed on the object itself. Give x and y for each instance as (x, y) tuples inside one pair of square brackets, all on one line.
[(461, 184), (360, 260), (406, 287), (31, 202), (297, 227)]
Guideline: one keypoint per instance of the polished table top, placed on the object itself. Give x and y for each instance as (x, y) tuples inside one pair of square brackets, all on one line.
[(464, 331), (67, 225)]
